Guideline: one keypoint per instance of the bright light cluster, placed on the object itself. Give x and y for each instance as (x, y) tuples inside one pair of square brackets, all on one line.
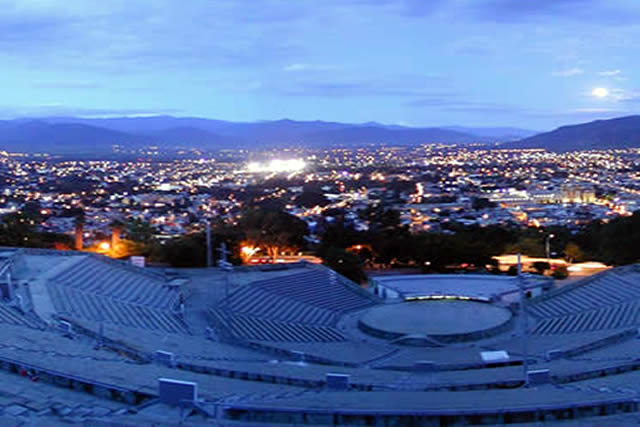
[(277, 165), (600, 92)]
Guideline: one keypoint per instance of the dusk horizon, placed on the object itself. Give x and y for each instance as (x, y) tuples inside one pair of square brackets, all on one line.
[(445, 63)]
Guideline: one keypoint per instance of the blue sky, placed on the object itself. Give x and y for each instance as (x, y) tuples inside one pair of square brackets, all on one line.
[(526, 63)]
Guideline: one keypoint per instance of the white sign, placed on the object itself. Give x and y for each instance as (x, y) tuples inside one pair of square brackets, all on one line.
[(138, 261), (494, 356)]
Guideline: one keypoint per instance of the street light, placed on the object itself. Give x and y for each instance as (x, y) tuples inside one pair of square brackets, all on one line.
[(547, 246), (525, 321)]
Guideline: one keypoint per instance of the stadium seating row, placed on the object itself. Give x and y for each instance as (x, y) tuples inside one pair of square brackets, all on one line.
[(12, 316), (98, 276), (256, 302), (611, 317), (253, 328), (77, 303), (604, 290), (317, 288)]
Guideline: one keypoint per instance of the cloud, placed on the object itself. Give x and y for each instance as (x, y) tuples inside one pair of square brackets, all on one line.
[(296, 67), (124, 37), (607, 12), (396, 85), (57, 109), (473, 45), (419, 8), (568, 72), (601, 12), (537, 6), (409, 8), (455, 104), (239, 58), (66, 84), (628, 96), (594, 110)]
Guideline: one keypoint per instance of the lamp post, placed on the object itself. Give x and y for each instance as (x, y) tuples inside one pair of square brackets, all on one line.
[(208, 238), (225, 266), (547, 246), (525, 321)]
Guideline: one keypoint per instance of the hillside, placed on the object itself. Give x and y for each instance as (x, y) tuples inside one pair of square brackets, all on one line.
[(621, 132), (40, 136), (75, 135)]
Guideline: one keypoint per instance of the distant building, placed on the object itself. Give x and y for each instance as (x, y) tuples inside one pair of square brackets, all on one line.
[(578, 194)]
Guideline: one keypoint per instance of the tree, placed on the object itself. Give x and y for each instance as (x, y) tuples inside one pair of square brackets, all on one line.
[(309, 199), (190, 250), (346, 263), (616, 242), (482, 203), (273, 230), (530, 246), (573, 253), (16, 230), (560, 273), (32, 209), (541, 266), (140, 231), (381, 218), (185, 251)]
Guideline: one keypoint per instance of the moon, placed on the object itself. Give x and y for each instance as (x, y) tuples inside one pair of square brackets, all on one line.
[(600, 92)]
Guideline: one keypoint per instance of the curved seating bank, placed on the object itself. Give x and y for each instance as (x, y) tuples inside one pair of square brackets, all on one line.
[(303, 346)]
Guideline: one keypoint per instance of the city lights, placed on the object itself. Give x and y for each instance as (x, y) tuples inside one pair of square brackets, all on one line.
[(277, 165)]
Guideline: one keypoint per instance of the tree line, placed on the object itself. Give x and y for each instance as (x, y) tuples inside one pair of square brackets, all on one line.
[(386, 244)]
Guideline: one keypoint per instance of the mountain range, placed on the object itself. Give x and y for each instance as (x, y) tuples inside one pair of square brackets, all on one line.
[(98, 135), (622, 132), (82, 135)]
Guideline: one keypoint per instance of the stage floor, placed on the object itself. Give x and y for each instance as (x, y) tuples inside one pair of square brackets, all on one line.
[(435, 318)]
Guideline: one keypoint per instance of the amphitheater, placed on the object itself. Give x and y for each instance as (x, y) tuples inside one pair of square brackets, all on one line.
[(94, 341)]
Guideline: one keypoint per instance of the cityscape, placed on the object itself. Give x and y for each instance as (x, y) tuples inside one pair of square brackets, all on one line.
[(337, 213), (430, 186)]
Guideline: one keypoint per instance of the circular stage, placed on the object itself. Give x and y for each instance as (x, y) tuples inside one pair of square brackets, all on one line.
[(444, 321)]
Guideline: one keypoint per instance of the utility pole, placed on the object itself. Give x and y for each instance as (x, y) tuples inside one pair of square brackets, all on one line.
[(209, 254), (223, 255), (547, 246), (225, 266), (525, 326), (101, 318)]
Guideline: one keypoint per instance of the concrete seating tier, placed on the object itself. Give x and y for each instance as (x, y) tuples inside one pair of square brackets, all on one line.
[(317, 288), (259, 329), (611, 317), (10, 315), (256, 302), (401, 408), (606, 289), (84, 305), (124, 283)]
